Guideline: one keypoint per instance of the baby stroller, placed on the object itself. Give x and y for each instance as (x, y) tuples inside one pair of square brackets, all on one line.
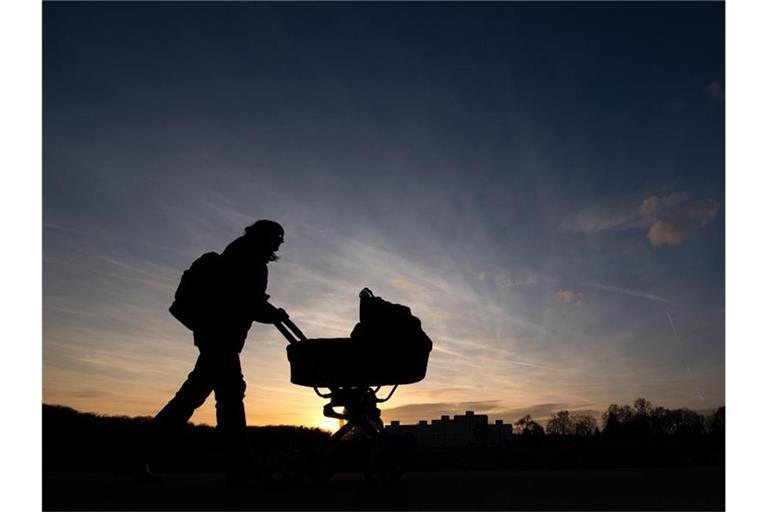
[(386, 348)]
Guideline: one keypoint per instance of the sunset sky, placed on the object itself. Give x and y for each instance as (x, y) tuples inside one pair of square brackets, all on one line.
[(542, 184)]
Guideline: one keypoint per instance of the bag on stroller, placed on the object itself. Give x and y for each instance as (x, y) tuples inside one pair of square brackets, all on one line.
[(382, 321)]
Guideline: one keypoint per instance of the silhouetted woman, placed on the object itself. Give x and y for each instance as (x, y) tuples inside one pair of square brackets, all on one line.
[(239, 298)]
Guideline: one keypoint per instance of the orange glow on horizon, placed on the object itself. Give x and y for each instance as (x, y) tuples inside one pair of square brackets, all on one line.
[(328, 424)]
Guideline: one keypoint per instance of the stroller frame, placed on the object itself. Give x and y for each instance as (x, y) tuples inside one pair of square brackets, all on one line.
[(360, 412), (359, 403)]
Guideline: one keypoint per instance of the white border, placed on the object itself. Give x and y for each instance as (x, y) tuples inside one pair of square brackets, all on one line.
[(21, 235), (746, 254)]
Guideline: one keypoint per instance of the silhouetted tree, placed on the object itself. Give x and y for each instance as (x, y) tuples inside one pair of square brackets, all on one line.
[(661, 421), (640, 423), (643, 406), (526, 426), (622, 413), (563, 423), (687, 423), (626, 421), (582, 425), (611, 425), (716, 422), (559, 424), (643, 420)]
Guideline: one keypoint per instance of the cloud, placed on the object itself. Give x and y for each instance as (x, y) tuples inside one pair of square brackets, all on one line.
[(408, 285), (649, 207), (676, 198), (665, 233), (537, 411), (87, 393), (654, 206), (595, 220), (673, 217), (669, 218), (702, 212), (520, 278), (570, 297)]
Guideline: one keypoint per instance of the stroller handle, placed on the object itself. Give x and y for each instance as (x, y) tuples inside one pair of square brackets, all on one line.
[(291, 332)]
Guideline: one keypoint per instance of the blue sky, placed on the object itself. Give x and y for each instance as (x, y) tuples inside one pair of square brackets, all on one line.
[(543, 184)]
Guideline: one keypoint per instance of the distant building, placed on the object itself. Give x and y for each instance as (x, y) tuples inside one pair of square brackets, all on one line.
[(468, 430)]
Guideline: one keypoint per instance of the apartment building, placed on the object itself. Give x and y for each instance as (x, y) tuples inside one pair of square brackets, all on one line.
[(469, 429)]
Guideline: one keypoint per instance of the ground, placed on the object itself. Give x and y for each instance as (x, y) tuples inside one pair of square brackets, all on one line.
[(697, 488)]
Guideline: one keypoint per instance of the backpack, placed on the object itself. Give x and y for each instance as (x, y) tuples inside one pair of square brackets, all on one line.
[(196, 291)]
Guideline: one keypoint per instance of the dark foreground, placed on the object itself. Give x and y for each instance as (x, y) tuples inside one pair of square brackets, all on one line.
[(697, 488)]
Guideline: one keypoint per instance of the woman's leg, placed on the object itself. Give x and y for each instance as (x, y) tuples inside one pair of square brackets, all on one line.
[(229, 387)]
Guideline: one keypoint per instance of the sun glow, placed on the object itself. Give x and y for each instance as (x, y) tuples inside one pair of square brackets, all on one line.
[(329, 424)]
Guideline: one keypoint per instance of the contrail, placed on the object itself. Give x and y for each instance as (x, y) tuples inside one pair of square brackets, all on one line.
[(626, 291), (685, 359)]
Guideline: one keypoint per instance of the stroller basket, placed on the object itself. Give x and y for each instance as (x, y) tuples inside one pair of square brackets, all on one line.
[(347, 362), (344, 362)]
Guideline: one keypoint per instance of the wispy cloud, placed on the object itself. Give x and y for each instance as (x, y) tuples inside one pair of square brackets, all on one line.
[(702, 212), (669, 218), (652, 206), (602, 218), (515, 279)]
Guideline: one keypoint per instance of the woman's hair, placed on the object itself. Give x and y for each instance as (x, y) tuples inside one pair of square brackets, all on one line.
[(263, 231)]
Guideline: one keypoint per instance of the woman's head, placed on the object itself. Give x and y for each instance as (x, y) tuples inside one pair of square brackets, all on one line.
[(267, 235)]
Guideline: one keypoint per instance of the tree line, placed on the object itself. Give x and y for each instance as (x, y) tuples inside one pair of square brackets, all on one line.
[(640, 420)]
